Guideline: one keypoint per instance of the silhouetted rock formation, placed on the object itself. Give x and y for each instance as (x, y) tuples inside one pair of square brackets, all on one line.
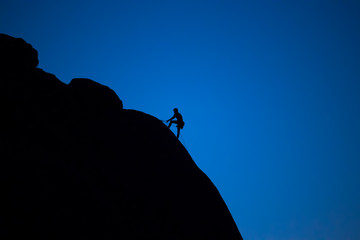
[(16, 55), (76, 165)]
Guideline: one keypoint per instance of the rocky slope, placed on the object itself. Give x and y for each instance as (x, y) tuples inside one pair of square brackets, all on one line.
[(75, 165)]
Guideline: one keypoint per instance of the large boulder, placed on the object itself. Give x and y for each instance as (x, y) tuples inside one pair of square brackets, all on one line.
[(75, 165), (17, 56), (95, 95)]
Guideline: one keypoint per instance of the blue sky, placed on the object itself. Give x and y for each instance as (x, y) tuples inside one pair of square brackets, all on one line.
[(269, 91)]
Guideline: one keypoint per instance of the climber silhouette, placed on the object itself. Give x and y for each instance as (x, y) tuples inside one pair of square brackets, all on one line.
[(179, 121)]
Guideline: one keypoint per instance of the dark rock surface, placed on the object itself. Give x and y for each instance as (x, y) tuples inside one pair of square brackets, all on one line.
[(75, 165), (16, 55)]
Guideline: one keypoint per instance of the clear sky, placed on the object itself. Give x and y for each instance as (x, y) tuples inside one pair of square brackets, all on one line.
[(269, 91)]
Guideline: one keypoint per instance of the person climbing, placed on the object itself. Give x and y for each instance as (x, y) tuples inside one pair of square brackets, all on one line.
[(179, 121)]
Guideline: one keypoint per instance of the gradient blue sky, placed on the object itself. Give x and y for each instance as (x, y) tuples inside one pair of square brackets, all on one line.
[(269, 91)]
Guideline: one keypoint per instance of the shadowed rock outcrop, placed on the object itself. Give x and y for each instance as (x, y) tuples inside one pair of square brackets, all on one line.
[(76, 165), (16, 55)]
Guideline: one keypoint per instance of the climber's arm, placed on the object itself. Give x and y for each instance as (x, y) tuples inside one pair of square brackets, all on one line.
[(171, 118)]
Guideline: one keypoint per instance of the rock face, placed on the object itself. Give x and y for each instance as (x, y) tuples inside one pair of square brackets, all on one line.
[(16, 55), (75, 165)]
